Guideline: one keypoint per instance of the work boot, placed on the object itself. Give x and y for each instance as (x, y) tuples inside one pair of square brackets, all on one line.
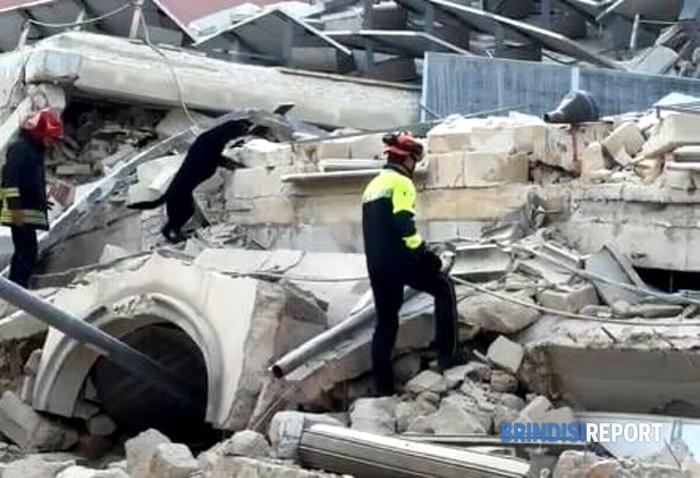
[(173, 237), (459, 357)]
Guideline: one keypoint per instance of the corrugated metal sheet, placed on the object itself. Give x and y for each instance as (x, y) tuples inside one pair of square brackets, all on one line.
[(9, 5), (459, 84)]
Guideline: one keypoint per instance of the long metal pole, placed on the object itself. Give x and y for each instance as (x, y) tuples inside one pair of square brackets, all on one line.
[(138, 363), (327, 339)]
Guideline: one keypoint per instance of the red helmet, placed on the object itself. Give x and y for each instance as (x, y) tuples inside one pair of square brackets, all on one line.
[(403, 145), (44, 124)]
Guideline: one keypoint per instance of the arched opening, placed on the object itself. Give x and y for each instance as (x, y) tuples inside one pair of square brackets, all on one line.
[(135, 405)]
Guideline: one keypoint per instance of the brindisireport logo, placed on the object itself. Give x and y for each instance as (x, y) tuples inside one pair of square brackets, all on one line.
[(575, 432)]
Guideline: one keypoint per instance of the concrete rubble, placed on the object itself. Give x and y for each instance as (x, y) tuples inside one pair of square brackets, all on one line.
[(575, 274)]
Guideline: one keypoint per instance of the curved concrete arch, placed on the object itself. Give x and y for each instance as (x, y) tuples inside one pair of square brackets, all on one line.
[(239, 325)]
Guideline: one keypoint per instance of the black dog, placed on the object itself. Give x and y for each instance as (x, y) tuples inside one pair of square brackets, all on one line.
[(201, 162)]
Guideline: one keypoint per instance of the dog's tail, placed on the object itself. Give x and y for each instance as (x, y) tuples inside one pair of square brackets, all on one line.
[(148, 204)]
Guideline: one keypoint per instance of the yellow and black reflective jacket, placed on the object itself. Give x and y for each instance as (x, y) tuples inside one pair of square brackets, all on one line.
[(24, 185), (388, 224)]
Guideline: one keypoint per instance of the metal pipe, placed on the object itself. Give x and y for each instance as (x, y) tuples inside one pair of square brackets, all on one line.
[(344, 451), (327, 339), (130, 359)]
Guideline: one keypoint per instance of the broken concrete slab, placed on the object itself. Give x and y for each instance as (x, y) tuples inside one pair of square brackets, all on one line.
[(25, 427), (451, 419), (506, 354), (498, 315), (570, 298), (247, 443), (171, 460), (260, 153), (140, 450), (271, 319), (154, 178), (610, 263), (674, 131), (374, 415), (627, 137), (427, 381), (481, 262), (93, 61)]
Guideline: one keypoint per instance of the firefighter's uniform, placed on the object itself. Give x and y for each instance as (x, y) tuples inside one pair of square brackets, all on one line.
[(397, 256)]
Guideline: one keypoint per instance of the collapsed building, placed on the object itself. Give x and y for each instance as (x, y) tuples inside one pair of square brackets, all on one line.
[(574, 270)]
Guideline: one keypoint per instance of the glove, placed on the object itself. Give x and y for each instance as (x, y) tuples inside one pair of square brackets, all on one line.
[(429, 260), (447, 259)]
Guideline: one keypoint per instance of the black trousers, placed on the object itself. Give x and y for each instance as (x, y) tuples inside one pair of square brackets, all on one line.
[(25, 255), (387, 287)]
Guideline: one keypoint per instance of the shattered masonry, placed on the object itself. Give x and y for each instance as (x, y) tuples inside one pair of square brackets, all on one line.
[(575, 244)]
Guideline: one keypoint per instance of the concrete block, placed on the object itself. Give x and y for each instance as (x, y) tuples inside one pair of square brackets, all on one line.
[(593, 162), (569, 298), (261, 153), (506, 354), (503, 382), (176, 121), (251, 183), (446, 170), (675, 130), (451, 419), (427, 381), (247, 443), (486, 169), (627, 137), (171, 460), (564, 144), (536, 410), (455, 376), (374, 415), (154, 178), (494, 314), (140, 450), (478, 371), (452, 135), (25, 427)]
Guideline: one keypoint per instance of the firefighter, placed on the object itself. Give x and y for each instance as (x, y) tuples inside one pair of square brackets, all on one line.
[(397, 256), (23, 190)]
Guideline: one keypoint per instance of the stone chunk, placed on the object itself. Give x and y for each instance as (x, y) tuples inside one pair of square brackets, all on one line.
[(35, 467), (247, 443), (427, 381), (503, 382), (82, 472), (240, 467), (374, 415), (536, 409), (575, 464), (478, 371), (569, 298), (506, 354), (627, 137), (675, 130), (140, 450), (287, 427), (455, 376), (172, 460), (494, 314), (451, 419), (593, 163), (31, 431)]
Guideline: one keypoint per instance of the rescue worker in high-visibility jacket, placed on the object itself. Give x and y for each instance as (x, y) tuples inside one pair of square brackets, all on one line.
[(23, 190), (397, 256)]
